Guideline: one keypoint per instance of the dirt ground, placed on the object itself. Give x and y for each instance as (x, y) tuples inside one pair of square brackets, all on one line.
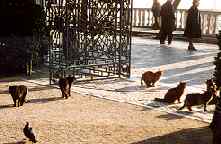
[(89, 120)]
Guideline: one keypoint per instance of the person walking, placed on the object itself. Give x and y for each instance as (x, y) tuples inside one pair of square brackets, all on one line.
[(156, 14), (193, 25), (167, 14)]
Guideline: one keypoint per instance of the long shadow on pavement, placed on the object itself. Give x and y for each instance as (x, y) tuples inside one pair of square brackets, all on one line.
[(42, 100), (202, 135), (18, 142), (31, 89), (6, 106), (168, 116), (45, 100)]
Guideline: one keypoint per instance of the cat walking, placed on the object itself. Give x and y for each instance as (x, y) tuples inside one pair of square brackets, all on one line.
[(65, 86), (173, 94), (150, 78), (18, 93), (194, 99)]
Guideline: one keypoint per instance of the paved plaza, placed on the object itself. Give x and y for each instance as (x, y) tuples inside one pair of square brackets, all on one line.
[(90, 120), (178, 65)]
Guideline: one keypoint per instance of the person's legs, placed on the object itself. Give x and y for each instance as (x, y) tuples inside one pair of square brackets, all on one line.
[(170, 37), (156, 25), (162, 37), (157, 22)]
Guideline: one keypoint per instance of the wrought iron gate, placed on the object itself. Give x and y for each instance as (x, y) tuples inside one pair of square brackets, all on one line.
[(89, 38)]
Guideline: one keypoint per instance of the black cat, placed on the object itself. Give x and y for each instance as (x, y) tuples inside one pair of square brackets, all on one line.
[(65, 86), (18, 93)]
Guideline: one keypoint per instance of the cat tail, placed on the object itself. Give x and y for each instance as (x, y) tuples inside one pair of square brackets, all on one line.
[(159, 100)]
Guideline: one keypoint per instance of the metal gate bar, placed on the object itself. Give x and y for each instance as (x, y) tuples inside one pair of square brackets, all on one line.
[(89, 38)]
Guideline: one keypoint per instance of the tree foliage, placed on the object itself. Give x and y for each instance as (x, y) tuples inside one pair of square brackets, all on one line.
[(217, 63), (22, 30)]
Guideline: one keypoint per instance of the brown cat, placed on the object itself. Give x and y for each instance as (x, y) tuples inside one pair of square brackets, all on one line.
[(18, 93), (173, 94), (65, 86), (198, 98), (150, 78)]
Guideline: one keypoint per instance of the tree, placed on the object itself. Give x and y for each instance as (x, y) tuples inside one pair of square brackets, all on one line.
[(217, 63), (22, 27)]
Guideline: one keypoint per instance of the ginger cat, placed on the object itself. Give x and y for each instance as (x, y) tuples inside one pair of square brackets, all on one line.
[(198, 98), (173, 94), (150, 78)]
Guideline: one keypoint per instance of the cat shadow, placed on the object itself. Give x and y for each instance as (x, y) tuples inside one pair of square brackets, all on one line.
[(154, 104), (45, 100), (18, 142), (6, 106), (185, 112), (3, 91), (174, 116), (131, 89), (41, 88), (157, 88), (103, 81)]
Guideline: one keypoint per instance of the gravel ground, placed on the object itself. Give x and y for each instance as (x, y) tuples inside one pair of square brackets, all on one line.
[(89, 120)]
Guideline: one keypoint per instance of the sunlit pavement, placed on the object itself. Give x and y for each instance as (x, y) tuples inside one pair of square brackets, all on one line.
[(178, 64), (175, 60)]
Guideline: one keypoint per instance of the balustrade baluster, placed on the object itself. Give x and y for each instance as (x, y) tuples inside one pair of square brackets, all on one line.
[(181, 19), (203, 23), (176, 14), (143, 17), (152, 18), (134, 17), (208, 24), (149, 19), (139, 17), (211, 26), (215, 25)]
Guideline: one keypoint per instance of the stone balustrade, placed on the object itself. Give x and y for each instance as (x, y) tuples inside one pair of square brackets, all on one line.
[(210, 20)]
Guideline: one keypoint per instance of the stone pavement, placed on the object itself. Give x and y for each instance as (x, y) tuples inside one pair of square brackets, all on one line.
[(83, 119), (178, 65)]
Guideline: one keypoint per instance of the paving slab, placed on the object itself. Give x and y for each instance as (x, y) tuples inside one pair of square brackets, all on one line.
[(91, 120), (178, 64)]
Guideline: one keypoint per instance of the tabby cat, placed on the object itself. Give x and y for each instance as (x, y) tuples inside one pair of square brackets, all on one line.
[(18, 93), (65, 86), (150, 78), (173, 94), (198, 98)]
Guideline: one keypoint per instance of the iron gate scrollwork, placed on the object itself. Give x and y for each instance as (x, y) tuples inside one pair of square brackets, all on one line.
[(89, 38)]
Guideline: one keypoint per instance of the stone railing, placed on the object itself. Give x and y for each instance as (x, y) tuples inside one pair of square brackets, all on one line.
[(143, 17)]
